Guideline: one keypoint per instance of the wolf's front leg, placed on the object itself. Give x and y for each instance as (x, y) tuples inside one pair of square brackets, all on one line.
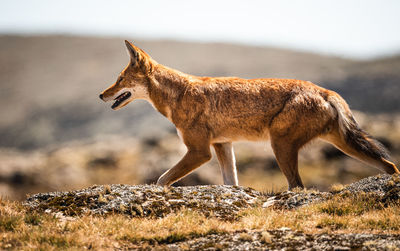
[(226, 159), (192, 160)]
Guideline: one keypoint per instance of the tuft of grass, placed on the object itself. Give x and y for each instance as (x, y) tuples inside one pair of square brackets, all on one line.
[(56, 240), (266, 237), (245, 237), (386, 221), (9, 223), (351, 205), (336, 188), (172, 238), (107, 189), (334, 223), (32, 219)]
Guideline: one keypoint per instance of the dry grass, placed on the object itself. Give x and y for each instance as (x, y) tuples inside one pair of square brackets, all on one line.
[(21, 229)]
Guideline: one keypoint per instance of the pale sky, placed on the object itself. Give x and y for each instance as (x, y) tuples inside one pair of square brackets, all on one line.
[(358, 29)]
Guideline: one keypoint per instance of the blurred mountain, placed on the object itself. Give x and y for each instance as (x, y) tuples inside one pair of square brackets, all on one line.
[(371, 86), (50, 84)]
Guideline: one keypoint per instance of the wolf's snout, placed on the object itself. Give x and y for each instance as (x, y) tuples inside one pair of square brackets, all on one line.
[(101, 96)]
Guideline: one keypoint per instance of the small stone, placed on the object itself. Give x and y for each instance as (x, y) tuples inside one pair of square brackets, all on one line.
[(269, 203)]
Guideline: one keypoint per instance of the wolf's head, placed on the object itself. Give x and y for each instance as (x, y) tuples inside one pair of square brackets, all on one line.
[(132, 82)]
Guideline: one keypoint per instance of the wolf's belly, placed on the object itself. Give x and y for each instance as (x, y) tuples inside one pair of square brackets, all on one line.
[(244, 136)]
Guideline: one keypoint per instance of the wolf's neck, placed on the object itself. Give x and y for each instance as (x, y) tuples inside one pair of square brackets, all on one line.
[(165, 87)]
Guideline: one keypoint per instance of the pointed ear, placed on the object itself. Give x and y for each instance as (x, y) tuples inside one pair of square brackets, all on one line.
[(132, 52)]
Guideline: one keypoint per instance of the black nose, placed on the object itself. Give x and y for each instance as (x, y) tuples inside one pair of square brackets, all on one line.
[(101, 96)]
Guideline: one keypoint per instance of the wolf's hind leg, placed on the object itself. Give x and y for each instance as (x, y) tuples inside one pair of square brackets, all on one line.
[(287, 157), (226, 159)]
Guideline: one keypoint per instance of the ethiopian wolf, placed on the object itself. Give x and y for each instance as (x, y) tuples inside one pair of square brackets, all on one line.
[(218, 111)]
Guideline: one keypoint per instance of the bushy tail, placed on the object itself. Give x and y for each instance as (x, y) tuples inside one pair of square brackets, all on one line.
[(353, 135)]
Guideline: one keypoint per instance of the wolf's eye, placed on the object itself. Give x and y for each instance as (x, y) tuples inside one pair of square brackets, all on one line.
[(119, 80)]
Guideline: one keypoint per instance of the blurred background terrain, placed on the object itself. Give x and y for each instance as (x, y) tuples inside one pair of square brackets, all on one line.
[(56, 134)]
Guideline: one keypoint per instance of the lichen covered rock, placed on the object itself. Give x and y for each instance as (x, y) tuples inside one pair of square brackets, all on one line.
[(291, 199), (381, 184), (148, 200)]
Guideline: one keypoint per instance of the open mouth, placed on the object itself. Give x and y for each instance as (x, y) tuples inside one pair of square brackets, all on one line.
[(121, 98)]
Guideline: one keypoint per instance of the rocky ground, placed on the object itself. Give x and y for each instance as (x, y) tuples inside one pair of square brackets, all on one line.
[(286, 239), (149, 200), (221, 201), (224, 202)]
